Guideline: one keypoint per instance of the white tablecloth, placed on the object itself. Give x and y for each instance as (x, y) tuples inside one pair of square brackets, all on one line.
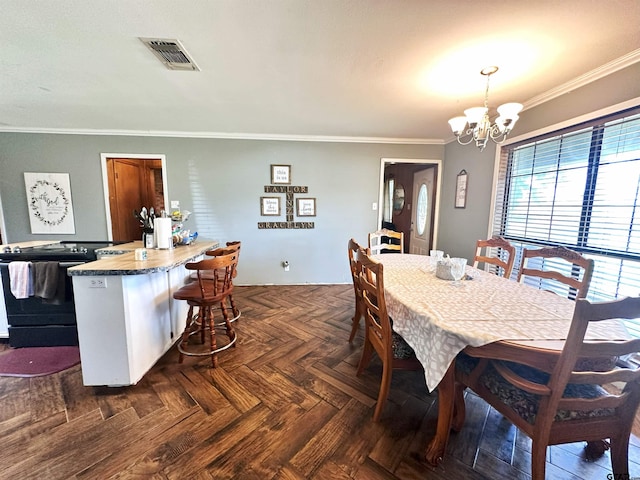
[(439, 320)]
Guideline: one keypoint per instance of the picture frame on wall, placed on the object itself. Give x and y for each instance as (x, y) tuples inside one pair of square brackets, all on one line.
[(461, 189), (306, 207), (281, 174), (269, 206), (50, 204)]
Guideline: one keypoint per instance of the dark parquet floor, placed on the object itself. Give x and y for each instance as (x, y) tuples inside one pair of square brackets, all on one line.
[(284, 404)]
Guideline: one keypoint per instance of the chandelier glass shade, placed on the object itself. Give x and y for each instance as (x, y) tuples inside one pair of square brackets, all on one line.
[(476, 125)]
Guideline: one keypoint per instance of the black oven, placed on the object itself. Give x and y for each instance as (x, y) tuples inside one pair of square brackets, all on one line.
[(35, 321)]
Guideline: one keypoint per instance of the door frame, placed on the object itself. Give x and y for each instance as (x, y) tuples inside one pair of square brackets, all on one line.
[(424, 161), (105, 179)]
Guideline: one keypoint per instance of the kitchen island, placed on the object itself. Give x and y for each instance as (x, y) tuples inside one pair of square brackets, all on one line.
[(127, 317)]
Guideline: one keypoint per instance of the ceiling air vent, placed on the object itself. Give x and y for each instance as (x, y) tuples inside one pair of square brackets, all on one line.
[(171, 53)]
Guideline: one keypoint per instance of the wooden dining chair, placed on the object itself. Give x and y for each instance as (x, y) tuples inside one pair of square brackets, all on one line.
[(393, 350), (570, 401), (386, 241), (353, 247), (556, 269), (497, 252), (213, 286)]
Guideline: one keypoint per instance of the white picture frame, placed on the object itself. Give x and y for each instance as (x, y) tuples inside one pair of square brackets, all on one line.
[(270, 206), (281, 174), (49, 203), (305, 207)]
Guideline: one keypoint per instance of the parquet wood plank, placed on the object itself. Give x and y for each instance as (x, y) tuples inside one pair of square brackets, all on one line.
[(255, 444), (71, 439), (273, 396), (15, 399), (46, 396), (273, 354), (176, 400), (202, 391), (392, 448), (332, 471), (290, 435), (284, 404), (344, 384), (238, 396), (299, 396), (79, 400), (141, 455), (462, 445), (15, 438), (204, 457), (330, 437), (98, 450)]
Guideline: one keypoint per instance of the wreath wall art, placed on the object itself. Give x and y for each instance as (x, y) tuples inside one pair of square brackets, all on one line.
[(49, 201)]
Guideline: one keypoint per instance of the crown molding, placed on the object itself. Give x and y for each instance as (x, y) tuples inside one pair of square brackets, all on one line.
[(589, 77), (228, 136)]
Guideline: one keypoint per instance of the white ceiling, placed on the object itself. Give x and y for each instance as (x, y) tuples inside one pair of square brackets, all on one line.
[(396, 69)]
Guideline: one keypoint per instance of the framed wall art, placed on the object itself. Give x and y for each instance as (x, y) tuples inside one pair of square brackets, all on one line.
[(49, 202), (269, 206), (306, 207), (280, 174), (461, 189)]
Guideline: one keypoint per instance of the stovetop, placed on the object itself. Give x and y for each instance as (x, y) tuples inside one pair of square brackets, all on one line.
[(63, 251)]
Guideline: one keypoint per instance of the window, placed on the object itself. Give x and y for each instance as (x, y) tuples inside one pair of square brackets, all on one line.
[(421, 209), (579, 188), (389, 188)]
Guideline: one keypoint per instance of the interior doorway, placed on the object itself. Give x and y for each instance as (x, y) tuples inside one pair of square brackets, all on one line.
[(403, 215), (132, 182)]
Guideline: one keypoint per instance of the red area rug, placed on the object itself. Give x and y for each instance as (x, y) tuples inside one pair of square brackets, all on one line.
[(37, 361)]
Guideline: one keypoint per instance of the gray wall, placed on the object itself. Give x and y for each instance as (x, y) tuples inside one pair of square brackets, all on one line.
[(221, 182)]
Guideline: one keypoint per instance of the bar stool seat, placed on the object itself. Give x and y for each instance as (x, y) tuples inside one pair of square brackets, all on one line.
[(212, 288)]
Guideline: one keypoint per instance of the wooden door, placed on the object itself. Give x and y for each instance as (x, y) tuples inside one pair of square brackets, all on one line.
[(421, 219), (133, 184)]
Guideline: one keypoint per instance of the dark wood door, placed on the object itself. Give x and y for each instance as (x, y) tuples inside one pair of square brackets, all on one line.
[(133, 184)]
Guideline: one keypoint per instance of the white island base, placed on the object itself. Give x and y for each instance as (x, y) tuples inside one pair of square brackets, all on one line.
[(127, 317)]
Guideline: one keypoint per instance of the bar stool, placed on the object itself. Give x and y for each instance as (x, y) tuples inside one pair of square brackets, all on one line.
[(213, 286), (230, 248)]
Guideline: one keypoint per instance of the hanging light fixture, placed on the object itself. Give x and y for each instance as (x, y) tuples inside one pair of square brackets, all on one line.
[(476, 126)]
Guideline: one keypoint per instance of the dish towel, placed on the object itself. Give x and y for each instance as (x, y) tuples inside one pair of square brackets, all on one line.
[(21, 279), (48, 282)]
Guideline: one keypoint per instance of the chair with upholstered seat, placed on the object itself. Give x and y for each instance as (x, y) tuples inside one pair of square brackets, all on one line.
[(557, 269), (569, 401), (497, 252), (393, 350), (386, 241), (213, 286), (353, 247)]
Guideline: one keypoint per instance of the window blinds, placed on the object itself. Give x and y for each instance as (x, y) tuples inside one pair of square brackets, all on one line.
[(579, 188)]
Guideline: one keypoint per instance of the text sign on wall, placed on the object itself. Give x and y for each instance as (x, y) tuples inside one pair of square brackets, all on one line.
[(49, 202)]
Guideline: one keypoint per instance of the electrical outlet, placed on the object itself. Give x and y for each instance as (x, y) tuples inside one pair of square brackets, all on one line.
[(98, 283), (175, 204)]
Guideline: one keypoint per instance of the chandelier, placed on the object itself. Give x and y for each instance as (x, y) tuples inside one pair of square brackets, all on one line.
[(476, 126)]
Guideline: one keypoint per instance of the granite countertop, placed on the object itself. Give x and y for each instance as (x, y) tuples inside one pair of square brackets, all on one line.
[(157, 260)]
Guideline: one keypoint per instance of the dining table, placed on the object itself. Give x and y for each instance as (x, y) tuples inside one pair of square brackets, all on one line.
[(483, 314)]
